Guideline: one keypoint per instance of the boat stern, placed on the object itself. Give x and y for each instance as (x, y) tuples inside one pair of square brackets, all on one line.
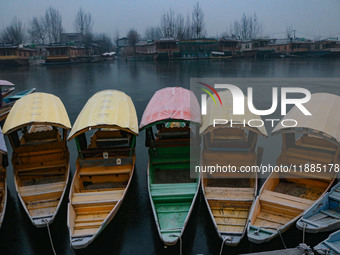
[(41, 222), (231, 239), (80, 242), (260, 235), (170, 238)]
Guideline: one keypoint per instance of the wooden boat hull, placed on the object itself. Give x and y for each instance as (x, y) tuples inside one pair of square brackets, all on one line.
[(82, 241), (171, 237), (238, 211), (330, 245), (3, 196), (302, 249), (324, 215), (275, 212), (43, 221)]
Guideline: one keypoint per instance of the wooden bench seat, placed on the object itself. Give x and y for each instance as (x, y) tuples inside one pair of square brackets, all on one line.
[(41, 188), (97, 197), (220, 193), (173, 191), (105, 170), (286, 200), (41, 165)]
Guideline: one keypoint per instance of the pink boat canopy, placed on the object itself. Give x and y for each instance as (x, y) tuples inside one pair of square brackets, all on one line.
[(172, 103), (6, 83)]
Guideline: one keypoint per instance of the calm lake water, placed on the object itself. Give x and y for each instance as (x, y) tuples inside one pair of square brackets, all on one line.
[(133, 230)]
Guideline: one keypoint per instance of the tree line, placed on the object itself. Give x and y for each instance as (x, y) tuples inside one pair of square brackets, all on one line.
[(48, 28)]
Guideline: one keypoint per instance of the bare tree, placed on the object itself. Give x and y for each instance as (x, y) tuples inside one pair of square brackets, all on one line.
[(188, 31), (14, 33), (83, 24), (133, 37), (198, 24), (168, 24), (53, 24), (153, 33), (104, 41), (37, 30), (247, 28), (180, 27)]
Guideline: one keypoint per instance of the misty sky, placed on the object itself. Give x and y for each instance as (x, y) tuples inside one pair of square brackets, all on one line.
[(310, 18)]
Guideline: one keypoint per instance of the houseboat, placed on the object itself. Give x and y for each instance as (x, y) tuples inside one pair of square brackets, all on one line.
[(64, 54), (167, 49), (200, 48), (15, 55)]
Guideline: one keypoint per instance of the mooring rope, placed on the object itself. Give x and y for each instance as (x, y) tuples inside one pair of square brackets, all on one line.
[(180, 242), (303, 232), (49, 235), (222, 245), (278, 231)]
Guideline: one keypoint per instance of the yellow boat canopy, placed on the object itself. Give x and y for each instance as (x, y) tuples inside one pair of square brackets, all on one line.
[(37, 108), (225, 112), (107, 109), (324, 121)]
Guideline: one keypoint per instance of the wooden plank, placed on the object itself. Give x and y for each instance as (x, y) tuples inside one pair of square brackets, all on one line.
[(43, 211), (264, 223), (229, 193), (91, 217), (85, 225), (280, 219), (97, 197), (279, 209), (101, 208), (42, 188), (105, 170), (225, 213), (286, 200), (41, 165), (84, 232), (43, 204)]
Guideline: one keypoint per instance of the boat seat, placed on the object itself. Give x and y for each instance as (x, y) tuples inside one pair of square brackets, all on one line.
[(42, 192), (41, 165), (286, 200), (219, 193), (335, 196), (85, 198), (105, 170), (173, 191)]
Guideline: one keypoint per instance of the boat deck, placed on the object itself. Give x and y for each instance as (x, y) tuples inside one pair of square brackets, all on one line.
[(92, 208)]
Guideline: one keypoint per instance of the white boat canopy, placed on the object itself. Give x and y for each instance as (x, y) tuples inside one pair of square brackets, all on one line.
[(225, 112), (106, 109), (37, 108), (324, 121)]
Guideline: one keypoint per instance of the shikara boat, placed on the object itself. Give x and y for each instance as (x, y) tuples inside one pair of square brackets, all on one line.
[(287, 194), (17, 96), (6, 88), (8, 102), (104, 166), (330, 246), (229, 195), (37, 128), (172, 191), (302, 249), (324, 215), (3, 183)]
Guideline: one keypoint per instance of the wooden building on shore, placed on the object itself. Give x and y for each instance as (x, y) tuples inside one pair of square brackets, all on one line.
[(15, 55)]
